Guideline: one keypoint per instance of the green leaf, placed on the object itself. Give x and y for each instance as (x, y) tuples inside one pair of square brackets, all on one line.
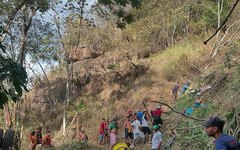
[(3, 99), (105, 2), (18, 88)]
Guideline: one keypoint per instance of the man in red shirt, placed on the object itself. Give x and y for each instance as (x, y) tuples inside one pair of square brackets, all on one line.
[(47, 140), (101, 131), (157, 112)]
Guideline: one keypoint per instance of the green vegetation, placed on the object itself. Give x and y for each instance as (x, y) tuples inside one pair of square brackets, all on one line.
[(13, 77), (103, 71)]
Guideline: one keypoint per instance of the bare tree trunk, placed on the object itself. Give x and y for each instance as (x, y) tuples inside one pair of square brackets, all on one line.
[(221, 41), (218, 13), (27, 22), (67, 71)]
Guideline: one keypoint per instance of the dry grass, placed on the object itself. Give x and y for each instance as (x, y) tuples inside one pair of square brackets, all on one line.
[(179, 62)]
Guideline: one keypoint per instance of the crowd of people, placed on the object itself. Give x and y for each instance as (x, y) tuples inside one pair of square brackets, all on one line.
[(144, 127), (36, 138), (136, 128)]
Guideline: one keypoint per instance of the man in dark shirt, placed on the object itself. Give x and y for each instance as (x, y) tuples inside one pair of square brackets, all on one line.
[(175, 91), (214, 128)]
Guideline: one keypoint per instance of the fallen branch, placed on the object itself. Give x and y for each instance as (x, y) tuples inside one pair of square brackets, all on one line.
[(147, 111), (188, 128), (178, 112), (196, 139), (69, 128)]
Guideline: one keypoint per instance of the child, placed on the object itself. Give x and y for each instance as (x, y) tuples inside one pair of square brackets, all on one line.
[(113, 138)]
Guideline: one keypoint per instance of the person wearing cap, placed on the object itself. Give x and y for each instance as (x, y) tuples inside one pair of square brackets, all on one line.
[(157, 138), (156, 114), (140, 115), (214, 128)]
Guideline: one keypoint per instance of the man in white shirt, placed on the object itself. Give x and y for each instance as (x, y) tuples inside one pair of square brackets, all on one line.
[(136, 131), (145, 128), (157, 138)]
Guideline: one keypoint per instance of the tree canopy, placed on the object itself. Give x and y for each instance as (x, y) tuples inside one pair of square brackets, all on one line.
[(13, 77)]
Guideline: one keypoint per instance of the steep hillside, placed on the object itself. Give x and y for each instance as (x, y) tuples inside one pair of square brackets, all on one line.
[(143, 61)]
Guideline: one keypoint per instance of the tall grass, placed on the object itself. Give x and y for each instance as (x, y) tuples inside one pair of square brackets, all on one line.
[(180, 61)]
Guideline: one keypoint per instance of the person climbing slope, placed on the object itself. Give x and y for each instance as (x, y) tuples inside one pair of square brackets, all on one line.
[(156, 114), (185, 88), (175, 90)]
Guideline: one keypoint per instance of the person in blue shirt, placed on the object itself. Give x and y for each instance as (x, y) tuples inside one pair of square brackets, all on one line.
[(189, 111), (214, 128), (140, 115), (185, 88)]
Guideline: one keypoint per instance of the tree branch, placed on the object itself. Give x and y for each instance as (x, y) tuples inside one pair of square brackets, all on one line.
[(12, 16), (188, 128), (147, 111), (178, 112), (224, 22)]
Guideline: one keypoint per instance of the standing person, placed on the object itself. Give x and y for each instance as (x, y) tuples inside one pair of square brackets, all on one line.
[(175, 90), (157, 138), (47, 140), (145, 127), (113, 125), (33, 140), (185, 88), (101, 131), (140, 115), (113, 138), (128, 130), (214, 128), (36, 138), (156, 114), (106, 134), (136, 129), (39, 135)]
